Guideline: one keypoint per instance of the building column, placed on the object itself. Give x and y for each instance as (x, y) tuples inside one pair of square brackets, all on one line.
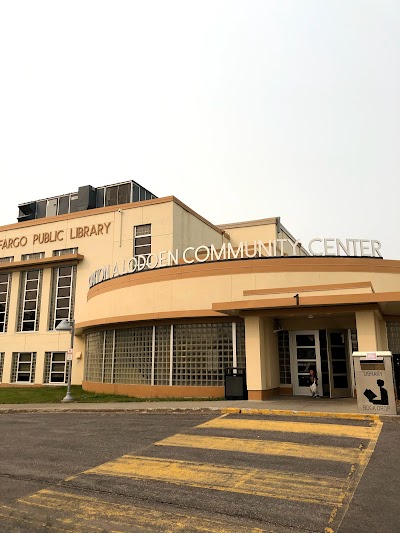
[(262, 363), (371, 332)]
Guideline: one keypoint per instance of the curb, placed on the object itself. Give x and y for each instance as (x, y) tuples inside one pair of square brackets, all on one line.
[(222, 410), (310, 414), (110, 410)]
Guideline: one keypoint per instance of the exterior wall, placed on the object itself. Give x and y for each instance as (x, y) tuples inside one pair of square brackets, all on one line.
[(256, 230), (189, 230), (260, 290), (114, 243), (155, 391), (177, 291)]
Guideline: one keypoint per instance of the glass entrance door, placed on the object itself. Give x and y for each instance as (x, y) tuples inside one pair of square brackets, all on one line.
[(305, 354), (338, 364)]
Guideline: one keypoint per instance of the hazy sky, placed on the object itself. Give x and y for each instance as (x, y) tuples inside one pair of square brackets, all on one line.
[(242, 109)]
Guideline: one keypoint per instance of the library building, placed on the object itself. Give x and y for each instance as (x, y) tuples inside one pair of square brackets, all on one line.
[(160, 302)]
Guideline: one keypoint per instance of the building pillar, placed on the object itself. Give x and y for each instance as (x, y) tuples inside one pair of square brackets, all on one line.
[(262, 362), (371, 332)]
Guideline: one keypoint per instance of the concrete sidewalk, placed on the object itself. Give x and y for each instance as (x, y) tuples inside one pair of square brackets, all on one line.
[(294, 404)]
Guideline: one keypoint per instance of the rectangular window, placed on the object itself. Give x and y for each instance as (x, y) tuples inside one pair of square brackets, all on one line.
[(23, 367), (55, 368), (7, 259), (180, 354), (37, 255), (1, 366), (62, 295), (116, 194), (29, 307), (201, 354), (5, 291), (65, 251), (134, 349), (142, 240)]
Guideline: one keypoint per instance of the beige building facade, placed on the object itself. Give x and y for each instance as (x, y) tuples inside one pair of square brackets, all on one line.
[(165, 302)]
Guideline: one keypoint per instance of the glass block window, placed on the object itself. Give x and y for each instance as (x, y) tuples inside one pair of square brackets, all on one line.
[(201, 354), (65, 251), (240, 345), (142, 355), (142, 240), (27, 257), (1, 366), (62, 295), (5, 291), (9, 259), (162, 356), (29, 305), (94, 357), (393, 335), (284, 357), (23, 367), (56, 368), (108, 356), (133, 355)]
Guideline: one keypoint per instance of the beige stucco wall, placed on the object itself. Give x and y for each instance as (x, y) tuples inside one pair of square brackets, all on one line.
[(182, 291), (251, 231), (172, 227)]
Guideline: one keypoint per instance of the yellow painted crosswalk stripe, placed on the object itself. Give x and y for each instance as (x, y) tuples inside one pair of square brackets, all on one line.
[(335, 430), (259, 482), (264, 447), (84, 513)]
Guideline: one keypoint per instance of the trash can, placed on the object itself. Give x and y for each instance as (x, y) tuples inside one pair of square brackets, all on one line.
[(374, 383), (235, 384)]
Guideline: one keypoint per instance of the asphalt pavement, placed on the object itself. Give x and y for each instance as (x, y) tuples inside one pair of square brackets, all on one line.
[(197, 471)]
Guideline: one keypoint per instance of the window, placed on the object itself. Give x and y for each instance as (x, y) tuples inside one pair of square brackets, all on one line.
[(142, 243), (55, 368), (62, 295), (37, 255), (29, 308), (115, 194), (65, 251), (201, 354), (194, 354), (7, 259), (5, 291), (1, 366), (23, 367)]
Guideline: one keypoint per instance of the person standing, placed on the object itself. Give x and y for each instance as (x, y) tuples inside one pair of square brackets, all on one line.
[(313, 382)]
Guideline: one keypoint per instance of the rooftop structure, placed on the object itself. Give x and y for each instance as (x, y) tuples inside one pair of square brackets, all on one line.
[(87, 197)]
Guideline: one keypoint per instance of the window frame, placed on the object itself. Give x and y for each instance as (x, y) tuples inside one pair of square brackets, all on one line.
[(137, 244)]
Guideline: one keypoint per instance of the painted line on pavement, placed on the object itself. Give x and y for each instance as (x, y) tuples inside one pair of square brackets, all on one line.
[(335, 430), (84, 511), (265, 447), (256, 482)]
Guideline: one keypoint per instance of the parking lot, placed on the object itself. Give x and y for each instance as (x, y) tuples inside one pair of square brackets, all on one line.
[(197, 471)]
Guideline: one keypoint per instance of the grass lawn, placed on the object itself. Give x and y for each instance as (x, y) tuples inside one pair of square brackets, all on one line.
[(56, 394)]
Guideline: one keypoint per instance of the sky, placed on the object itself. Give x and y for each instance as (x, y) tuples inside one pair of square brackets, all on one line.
[(241, 109)]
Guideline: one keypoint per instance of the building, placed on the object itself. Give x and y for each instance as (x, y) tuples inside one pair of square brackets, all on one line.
[(165, 301)]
